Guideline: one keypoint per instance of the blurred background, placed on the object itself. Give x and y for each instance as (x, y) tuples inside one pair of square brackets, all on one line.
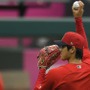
[(25, 27)]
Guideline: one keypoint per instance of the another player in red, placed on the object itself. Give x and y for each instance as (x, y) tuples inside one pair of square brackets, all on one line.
[(1, 83), (76, 74)]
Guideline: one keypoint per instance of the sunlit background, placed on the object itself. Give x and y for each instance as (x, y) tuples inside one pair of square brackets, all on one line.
[(25, 27)]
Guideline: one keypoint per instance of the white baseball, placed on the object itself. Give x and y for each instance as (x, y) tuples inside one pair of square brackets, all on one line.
[(76, 5)]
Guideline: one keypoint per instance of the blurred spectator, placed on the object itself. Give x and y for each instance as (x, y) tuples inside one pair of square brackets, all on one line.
[(42, 41), (39, 8), (39, 42), (21, 8), (32, 9)]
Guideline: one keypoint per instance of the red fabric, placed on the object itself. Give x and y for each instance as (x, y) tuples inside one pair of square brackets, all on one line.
[(81, 31), (1, 83), (41, 77), (68, 77)]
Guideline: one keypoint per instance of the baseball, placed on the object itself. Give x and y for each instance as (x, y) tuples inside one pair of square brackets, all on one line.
[(76, 5)]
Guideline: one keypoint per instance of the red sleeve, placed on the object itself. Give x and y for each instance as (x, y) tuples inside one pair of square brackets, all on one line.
[(1, 83), (44, 81), (53, 80), (80, 30), (40, 78)]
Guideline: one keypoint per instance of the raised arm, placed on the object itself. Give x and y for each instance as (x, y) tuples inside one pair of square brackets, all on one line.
[(79, 23)]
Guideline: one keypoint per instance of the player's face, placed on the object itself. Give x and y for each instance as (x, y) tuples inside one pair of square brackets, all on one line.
[(64, 53)]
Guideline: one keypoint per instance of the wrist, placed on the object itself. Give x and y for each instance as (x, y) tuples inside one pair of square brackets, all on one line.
[(42, 67), (78, 17)]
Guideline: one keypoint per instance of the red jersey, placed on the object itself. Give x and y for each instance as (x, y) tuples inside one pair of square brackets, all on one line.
[(67, 77)]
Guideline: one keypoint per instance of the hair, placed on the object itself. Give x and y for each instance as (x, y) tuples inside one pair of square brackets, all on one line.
[(79, 52)]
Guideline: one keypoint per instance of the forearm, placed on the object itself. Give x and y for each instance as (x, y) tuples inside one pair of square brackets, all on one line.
[(41, 77), (80, 29)]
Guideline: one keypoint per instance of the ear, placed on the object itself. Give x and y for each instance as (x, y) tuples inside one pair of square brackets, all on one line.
[(73, 49)]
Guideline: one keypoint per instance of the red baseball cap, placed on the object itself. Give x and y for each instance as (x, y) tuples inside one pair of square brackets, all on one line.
[(72, 39)]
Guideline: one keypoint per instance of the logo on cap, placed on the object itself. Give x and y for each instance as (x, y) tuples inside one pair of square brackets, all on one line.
[(79, 66), (71, 43)]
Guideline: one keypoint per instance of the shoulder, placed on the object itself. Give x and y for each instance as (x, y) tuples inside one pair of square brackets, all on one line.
[(86, 54), (61, 70), (58, 74)]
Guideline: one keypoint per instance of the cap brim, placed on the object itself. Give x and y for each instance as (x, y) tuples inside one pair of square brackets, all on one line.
[(59, 43)]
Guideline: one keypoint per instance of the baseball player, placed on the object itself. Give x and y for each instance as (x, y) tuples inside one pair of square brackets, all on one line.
[(76, 74)]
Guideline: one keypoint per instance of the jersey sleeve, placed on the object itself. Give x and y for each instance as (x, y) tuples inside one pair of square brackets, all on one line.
[(51, 80), (80, 29), (44, 81)]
